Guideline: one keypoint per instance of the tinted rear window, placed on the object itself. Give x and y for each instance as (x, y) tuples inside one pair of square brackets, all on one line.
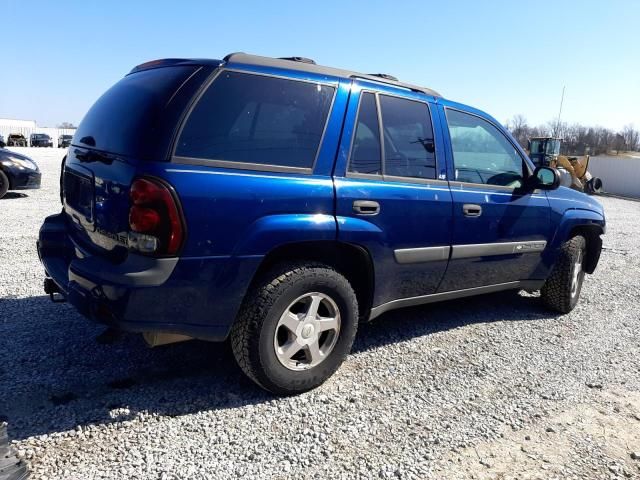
[(127, 119), (366, 151), (408, 138), (257, 119)]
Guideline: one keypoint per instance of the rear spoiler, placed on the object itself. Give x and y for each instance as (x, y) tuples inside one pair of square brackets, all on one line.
[(170, 62)]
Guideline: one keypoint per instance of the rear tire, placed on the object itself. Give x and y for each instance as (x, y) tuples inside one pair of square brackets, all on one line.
[(295, 328), (4, 184), (561, 291)]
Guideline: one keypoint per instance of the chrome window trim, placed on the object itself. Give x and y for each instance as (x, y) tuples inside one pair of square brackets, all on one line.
[(421, 254), (266, 167), (392, 179), (483, 187), (421, 181), (456, 184), (451, 295), (180, 160)]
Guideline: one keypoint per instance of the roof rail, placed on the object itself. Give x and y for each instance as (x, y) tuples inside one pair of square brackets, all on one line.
[(386, 76), (303, 64), (395, 83), (228, 57), (299, 59)]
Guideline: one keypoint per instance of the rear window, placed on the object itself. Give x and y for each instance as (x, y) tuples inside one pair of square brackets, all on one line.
[(127, 119), (257, 119)]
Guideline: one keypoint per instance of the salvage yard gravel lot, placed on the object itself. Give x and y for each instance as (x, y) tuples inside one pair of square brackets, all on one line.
[(488, 387)]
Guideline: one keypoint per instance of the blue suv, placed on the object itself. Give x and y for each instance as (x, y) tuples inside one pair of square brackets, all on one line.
[(279, 203)]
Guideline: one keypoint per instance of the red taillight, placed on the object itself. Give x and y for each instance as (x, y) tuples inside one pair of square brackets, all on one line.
[(143, 219), (155, 213)]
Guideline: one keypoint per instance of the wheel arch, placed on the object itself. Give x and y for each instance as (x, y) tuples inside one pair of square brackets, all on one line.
[(576, 221), (352, 261), (592, 234)]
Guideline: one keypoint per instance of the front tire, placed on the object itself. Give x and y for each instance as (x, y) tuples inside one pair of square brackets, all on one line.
[(4, 184), (295, 328), (561, 291)]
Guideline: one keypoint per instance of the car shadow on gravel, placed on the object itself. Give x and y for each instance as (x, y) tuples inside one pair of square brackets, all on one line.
[(13, 196), (55, 376)]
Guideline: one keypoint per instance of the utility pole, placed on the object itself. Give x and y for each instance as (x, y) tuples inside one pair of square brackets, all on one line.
[(557, 133)]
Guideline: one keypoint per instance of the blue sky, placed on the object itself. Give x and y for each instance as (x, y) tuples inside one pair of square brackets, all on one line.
[(503, 57)]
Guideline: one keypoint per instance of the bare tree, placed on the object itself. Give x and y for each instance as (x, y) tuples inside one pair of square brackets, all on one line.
[(66, 125), (519, 129), (557, 129), (577, 139), (631, 137)]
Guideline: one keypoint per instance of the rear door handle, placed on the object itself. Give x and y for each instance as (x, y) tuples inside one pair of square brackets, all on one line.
[(471, 210), (366, 207)]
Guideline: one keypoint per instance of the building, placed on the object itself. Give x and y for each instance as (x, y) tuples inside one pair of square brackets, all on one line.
[(27, 127)]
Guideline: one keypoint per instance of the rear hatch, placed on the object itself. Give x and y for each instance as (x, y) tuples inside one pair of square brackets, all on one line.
[(130, 128)]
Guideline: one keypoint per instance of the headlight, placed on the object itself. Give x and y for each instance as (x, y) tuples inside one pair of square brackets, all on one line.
[(28, 164)]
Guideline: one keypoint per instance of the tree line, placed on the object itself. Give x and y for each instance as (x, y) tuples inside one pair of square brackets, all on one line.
[(577, 139)]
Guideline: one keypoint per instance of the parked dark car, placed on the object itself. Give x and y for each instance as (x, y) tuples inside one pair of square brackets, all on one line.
[(64, 141), (17, 172), (2, 142), (280, 203), (41, 140), (16, 140)]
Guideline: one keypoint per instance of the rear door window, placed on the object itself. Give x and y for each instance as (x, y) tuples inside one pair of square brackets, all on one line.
[(259, 120), (366, 154), (409, 149)]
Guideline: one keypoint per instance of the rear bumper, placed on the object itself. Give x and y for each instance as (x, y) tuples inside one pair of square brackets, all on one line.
[(198, 297)]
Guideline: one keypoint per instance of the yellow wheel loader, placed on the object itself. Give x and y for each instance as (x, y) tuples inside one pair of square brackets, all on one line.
[(545, 151)]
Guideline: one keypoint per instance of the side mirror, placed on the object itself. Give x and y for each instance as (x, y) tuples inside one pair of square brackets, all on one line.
[(544, 178)]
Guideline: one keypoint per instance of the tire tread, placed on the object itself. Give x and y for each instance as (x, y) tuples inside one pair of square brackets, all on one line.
[(263, 294), (556, 292)]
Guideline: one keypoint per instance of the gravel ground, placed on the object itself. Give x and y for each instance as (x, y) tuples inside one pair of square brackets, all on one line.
[(489, 387)]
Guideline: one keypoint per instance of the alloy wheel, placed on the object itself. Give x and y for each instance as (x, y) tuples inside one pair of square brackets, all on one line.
[(307, 331)]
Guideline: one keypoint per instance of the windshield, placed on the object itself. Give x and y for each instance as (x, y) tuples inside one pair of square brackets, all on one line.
[(553, 147), (549, 146), (537, 146)]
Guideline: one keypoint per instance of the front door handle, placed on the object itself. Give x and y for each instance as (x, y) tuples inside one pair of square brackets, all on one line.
[(366, 207), (471, 210)]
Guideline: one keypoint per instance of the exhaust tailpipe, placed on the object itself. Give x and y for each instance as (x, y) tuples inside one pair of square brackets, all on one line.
[(155, 339)]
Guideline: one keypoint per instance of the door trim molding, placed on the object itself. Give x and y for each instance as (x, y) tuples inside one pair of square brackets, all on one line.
[(467, 292), (422, 254), (492, 249)]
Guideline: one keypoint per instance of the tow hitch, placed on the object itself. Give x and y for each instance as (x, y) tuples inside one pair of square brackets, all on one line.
[(53, 291)]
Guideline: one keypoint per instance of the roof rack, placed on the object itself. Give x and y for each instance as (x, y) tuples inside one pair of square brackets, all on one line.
[(299, 59), (303, 64), (386, 76), (228, 57)]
